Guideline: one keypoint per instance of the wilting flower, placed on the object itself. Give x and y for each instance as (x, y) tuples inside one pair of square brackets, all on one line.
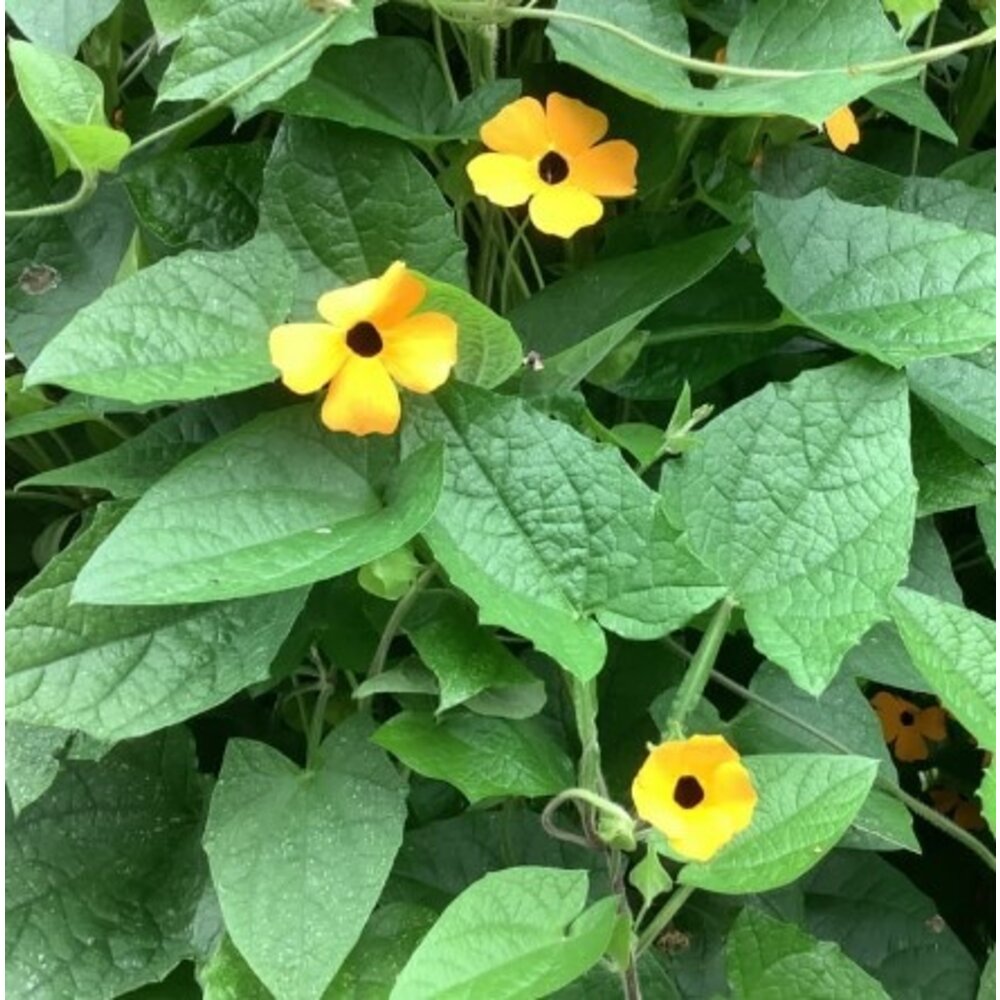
[(371, 339), (696, 792), (842, 129), (907, 727), (966, 814), (552, 158)]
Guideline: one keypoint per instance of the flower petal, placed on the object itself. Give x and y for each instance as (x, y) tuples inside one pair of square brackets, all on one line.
[(909, 745), (932, 723), (421, 351), (842, 129), (308, 355), (518, 128), (504, 179), (887, 707), (607, 170), (383, 301), (343, 307), (562, 209), (400, 292), (573, 126), (362, 399)]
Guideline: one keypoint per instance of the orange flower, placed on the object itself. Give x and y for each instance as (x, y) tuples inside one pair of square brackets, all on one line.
[(842, 129), (368, 343), (553, 159), (907, 726), (697, 793), (966, 814)]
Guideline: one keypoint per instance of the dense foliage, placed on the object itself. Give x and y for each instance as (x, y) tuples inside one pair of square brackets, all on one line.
[(502, 499)]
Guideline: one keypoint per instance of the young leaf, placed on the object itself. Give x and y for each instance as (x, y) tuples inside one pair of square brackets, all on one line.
[(956, 651), (801, 498), (66, 100), (331, 830), (765, 956), (333, 196), (229, 44), (483, 757), (190, 326), (805, 804), (275, 504), (519, 933), (121, 672), (110, 853), (890, 284)]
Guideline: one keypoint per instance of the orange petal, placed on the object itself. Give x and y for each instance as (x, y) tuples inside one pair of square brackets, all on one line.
[(308, 355), (887, 707), (910, 745), (572, 125), (383, 301), (968, 816), (504, 179), (400, 292), (420, 352), (842, 128), (518, 128), (362, 399), (343, 307), (607, 170), (562, 209), (931, 722)]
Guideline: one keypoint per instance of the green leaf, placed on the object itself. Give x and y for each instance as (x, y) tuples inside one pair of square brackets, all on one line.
[(109, 854), (298, 504), (171, 17), (775, 34), (31, 760), (805, 804), (204, 320), (55, 265), (610, 553), (987, 793), (467, 660), (962, 388), (333, 196), (66, 100), (394, 86), (908, 101), (955, 650), (226, 976), (801, 498), (121, 672), (890, 284), (574, 323), (203, 198), (988, 982), (228, 44), (649, 877), (132, 467), (331, 830), (890, 928), (986, 518), (489, 351), (520, 933), (765, 957), (59, 24), (483, 757)]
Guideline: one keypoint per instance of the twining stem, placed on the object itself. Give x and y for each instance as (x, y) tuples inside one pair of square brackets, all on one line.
[(88, 185), (699, 670), (917, 132), (912, 803), (659, 923), (442, 55), (392, 626)]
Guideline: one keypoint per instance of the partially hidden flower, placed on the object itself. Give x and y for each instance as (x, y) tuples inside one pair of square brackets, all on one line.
[(552, 158), (907, 727), (370, 340), (697, 793), (966, 814), (842, 129)]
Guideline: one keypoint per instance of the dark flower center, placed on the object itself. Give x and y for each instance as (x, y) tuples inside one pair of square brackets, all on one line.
[(364, 339), (907, 718), (688, 792), (552, 168)]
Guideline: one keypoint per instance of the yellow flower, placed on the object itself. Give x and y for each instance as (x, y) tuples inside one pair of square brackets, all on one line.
[(553, 159), (371, 340), (842, 129), (697, 793), (907, 726)]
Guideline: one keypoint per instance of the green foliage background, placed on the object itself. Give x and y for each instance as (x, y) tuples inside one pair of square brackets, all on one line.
[(285, 707)]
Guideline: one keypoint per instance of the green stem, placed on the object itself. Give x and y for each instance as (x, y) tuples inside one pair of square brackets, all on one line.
[(584, 697), (442, 55), (392, 626), (699, 670), (917, 133), (659, 923), (88, 185), (226, 98), (694, 330), (47, 497), (912, 803)]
